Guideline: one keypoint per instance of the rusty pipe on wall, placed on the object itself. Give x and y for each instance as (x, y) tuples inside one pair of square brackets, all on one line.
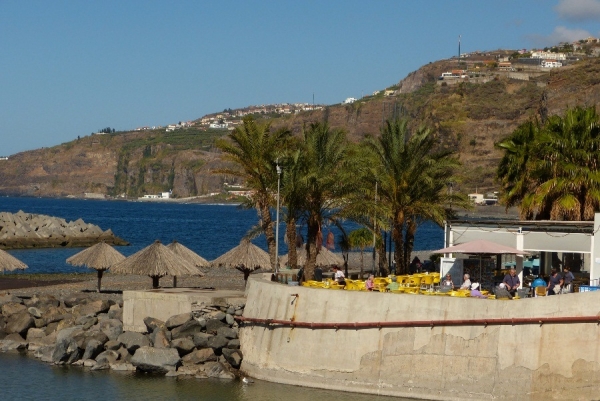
[(275, 323)]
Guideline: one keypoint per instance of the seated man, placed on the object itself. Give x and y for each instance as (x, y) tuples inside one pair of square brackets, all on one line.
[(502, 292), (338, 276), (393, 285), (511, 281)]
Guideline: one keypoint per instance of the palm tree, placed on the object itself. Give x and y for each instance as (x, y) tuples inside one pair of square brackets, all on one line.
[(560, 173), (292, 199), (361, 238), (412, 180), (325, 183), (253, 149)]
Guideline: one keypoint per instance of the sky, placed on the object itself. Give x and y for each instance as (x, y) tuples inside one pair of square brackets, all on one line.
[(69, 67)]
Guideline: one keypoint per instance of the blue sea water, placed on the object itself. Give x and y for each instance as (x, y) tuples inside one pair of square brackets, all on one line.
[(209, 230)]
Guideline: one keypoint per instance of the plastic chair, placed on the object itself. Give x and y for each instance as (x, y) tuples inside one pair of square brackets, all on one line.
[(414, 281), (427, 282), (541, 291)]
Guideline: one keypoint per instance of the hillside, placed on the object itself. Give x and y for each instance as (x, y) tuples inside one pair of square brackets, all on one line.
[(469, 115)]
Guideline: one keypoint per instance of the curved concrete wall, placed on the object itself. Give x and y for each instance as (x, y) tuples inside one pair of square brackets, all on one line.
[(524, 362)]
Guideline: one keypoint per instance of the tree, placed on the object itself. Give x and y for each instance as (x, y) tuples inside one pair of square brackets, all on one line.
[(325, 182), (412, 178), (253, 149), (361, 238), (557, 175)]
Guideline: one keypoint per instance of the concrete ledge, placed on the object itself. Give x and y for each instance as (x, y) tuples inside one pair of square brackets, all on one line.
[(524, 362), (164, 303)]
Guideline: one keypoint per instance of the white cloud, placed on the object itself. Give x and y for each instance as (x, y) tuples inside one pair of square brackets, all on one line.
[(560, 34), (578, 10)]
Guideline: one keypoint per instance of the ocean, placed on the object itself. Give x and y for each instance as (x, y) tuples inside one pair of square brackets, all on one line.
[(208, 230)]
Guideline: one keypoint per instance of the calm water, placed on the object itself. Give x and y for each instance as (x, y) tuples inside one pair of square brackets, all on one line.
[(209, 230), (23, 378)]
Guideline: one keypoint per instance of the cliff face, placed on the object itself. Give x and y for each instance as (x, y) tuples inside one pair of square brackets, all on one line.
[(468, 117)]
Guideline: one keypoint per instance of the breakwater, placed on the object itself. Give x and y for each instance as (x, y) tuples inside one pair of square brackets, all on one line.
[(81, 330), (26, 230), (468, 361)]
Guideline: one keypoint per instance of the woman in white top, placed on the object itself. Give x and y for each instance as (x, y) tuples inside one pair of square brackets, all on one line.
[(466, 285), (339, 276)]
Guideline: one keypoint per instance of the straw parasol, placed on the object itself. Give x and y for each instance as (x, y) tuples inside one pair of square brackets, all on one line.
[(99, 257), (155, 261), (9, 262), (324, 258), (246, 257), (189, 255)]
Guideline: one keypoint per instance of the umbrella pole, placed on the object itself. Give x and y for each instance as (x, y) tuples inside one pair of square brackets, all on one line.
[(174, 281), (155, 281), (99, 279)]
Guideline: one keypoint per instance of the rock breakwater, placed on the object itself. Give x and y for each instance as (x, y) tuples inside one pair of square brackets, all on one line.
[(80, 330), (25, 230)]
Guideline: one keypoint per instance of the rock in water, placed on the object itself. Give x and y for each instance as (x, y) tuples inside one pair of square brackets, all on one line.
[(157, 360)]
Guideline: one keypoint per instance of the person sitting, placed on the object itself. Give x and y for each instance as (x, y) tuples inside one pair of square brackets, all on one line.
[(447, 282), (466, 285), (369, 284), (502, 292), (555, 283), (338, 276), (512, 282), (393, 285), (475, 293)]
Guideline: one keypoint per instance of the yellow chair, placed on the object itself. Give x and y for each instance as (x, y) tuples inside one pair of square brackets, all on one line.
[(414, 281), (402, 280), (427, 282), (541, 291), (411, 290)]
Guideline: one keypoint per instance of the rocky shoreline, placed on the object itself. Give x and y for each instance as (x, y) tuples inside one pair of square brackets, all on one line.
[(80, 330), (26, 230)]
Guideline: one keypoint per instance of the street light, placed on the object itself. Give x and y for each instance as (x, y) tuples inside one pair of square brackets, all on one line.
[(278, 168)]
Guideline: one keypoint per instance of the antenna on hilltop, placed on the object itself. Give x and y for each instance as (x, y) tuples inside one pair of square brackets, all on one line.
[(459, 50)]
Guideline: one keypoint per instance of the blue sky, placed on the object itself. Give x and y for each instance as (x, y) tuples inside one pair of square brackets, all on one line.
[(69, 68)]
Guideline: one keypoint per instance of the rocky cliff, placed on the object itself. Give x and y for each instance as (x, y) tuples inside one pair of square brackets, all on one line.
[(469, 116)]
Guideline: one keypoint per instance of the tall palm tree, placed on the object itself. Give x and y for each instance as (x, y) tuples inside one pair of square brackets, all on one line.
[(292, 197), (360, 239), (253, 149), (325, 182), (562, 171), (412, 178)]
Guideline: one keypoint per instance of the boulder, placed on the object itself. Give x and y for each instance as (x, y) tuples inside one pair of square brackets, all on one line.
[(13, 342), (218, 315), (178, 320), (199, 356), (91, 308), (87, 321), (66, 349), (183, 345), (125, 367), (34, 334), (227, 332), (124, 355), (19, 323), (42, 301), (107, 357), (115, 312), (112, 328), (217, 342), (161, 338), (230, 310), (44, 353), (201, 340), (234, 344), (68, 320), (51, 328), (212, 325), (152, 323), (12, 308), (113, 345), (132, 341), (157, 360), (92, 349), (217, 370), (9, 298), (233, 357), (35, 312), (187, 329), (73, 300)]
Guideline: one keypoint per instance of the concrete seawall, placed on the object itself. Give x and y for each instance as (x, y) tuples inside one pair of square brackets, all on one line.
[(523, 362)]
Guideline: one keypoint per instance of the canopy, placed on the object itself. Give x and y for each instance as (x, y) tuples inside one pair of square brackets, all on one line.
[(246, 255), (188, 254), (482, 247), (9, 262), (100, 257), (324, 258)]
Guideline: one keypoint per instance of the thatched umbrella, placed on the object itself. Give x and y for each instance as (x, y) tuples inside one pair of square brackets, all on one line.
[(324, 258), (9, 262), (100, 257), (189, 255), (155, 261), (246, 257)]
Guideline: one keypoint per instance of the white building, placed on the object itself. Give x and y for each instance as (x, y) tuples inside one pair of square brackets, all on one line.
[(551, 64), (218, 126), (548, 55), (349, 100)]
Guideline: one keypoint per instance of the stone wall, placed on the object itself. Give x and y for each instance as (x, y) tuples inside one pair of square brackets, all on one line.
[(530, 362)]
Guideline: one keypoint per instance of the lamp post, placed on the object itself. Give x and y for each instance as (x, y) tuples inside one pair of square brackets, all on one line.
[(278, 168)]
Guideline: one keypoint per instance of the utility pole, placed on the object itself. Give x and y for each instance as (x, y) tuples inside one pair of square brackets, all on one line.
[(459, 50), (278, 169)]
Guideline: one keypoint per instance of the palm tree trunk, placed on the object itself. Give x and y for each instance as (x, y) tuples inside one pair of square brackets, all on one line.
[(398, 238), (362, 264), (409, 240), (267, 226), (383, 271), (311, 247), (291, 239)]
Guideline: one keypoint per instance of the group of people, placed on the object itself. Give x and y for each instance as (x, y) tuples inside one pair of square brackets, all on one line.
[(560, 284)]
